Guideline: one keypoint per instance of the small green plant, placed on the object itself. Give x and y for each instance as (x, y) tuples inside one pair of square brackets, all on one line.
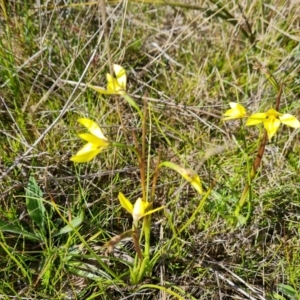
[(142, 209), (271, 120), (54, 243)]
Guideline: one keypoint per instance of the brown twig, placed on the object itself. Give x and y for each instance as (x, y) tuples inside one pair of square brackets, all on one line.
[(135, 237)]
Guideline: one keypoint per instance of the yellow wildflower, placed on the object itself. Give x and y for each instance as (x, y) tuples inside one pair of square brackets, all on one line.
[(271, 120), (237, 111), (115, 85), (96, 142), (189, 175), (138, 210)]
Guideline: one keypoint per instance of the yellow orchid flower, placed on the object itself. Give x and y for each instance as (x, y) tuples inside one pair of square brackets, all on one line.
[(139, 209), (237, 111), (115, 85), (271, 120), (189, 175), (96, 142)]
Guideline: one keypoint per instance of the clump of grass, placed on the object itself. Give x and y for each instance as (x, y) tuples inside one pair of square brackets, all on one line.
[(187, 65)]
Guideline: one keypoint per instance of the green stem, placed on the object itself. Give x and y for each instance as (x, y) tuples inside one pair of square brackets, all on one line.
[(243, 198), (132, 103), (197, 210), (146, 225), (164, 289), (122, 145), (256, 164)]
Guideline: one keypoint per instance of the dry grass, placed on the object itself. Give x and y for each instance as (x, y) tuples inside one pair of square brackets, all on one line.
[(188, 64)]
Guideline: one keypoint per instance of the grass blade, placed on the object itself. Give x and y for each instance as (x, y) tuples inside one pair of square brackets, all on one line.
[(15, 229), (34, 202), (73, 224)]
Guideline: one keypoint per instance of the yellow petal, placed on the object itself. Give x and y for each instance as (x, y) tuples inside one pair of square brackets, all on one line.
[(139, 209), (256, 119), (189, 175), (271, 125), (113, 85), (121, 76), (193, 179), (109, 78), (237, 111), (125, 203), (92, 127), (290, 120), (94, 140), (153, 210), (196, 183), (86, 153), (99, 89), (273, 112), (87, 148), (230, 114)]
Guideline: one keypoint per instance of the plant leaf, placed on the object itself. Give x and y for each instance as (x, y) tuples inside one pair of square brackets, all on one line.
[(287, 290), (34, 202), (278, 297), (73, 224), (132, 103), (15, 229)]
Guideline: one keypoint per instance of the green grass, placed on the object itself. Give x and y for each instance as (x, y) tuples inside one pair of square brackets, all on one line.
[(187, 63)]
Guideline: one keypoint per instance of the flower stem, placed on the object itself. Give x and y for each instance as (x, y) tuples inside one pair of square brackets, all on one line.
[(132, 103), (257, 162), (255, 166)]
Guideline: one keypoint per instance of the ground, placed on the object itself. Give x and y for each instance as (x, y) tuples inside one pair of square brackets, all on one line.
[(185, 63)]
